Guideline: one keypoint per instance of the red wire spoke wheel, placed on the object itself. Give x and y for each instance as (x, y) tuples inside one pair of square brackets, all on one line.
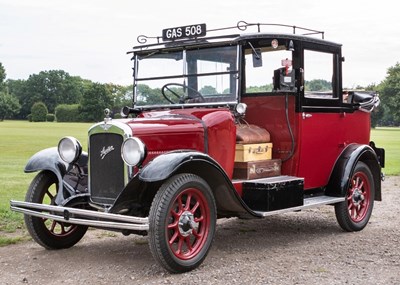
[(49, 233), (188, 224), (182, 223), (358, 197), (354, 213)]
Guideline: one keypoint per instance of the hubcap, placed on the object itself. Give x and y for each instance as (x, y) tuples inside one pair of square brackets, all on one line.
[(187, 224), (358, 197)]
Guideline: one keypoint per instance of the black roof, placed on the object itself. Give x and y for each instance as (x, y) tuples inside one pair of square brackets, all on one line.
[(310, 36)]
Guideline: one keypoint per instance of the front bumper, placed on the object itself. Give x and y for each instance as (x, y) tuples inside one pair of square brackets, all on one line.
[(81, 216)]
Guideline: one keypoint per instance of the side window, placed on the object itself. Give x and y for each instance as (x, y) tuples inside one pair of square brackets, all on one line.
[(217, 83), (319, 75), (260, 76)]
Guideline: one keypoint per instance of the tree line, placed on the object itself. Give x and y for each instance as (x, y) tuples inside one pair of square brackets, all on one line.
[(50, 91), (55, 94)]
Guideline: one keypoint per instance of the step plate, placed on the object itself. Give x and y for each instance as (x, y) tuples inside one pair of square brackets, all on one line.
[(308, 203), (271, 180)]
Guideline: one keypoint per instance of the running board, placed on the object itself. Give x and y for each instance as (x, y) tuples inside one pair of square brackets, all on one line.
[(308, 203), (81, 216)]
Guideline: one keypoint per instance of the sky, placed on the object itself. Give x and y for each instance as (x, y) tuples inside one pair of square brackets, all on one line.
[(90, 38)]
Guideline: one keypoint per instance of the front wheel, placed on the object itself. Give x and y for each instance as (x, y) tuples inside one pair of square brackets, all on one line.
[(182, 223), (49, 233), (353, 214)]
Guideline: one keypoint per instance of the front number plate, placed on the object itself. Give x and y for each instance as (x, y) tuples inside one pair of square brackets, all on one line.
[(191, 31)]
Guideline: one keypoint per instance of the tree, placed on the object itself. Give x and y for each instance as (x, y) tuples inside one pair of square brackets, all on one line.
[(2, 78), (50, 87), (256, 89), (39, 112), (68, 113), (9, 106), (149, 96), (121, 96), (377, 113), (97, 98), (208, 90), (318, 85), (389, 90)]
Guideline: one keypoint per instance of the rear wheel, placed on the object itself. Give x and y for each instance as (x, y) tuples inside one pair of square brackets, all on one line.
[(354, 213), (49, 233), (182, 223)]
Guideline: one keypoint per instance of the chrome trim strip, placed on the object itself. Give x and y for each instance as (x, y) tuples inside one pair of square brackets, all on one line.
[(308, 203), (81, 216), (112, 126)]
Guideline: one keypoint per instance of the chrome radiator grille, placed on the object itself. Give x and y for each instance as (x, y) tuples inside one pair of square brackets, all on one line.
[(106, 167)]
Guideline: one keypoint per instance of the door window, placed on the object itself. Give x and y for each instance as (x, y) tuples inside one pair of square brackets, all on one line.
[(319, 75)]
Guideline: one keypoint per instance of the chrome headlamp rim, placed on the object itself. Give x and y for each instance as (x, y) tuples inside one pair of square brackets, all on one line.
[(69, 149), (133, 151), (241, 108)]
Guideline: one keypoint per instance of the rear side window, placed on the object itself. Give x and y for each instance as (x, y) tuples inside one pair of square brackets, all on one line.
[(319, 75)]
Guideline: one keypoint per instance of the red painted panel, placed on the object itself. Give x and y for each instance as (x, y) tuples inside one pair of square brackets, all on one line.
[(221, 138), (176, 129), (238, 187), (269, 112), (323, 138), (319, 139)]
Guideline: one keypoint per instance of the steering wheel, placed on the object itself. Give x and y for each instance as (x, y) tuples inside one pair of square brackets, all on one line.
[(182, 98)]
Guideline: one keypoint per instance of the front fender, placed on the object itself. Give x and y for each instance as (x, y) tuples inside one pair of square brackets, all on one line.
[(49, 159), (340, 178), (164, 166)]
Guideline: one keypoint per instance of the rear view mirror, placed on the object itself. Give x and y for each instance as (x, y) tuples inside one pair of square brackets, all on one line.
[(257, 58)]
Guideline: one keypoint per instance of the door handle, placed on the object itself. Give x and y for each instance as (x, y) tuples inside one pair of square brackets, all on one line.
[(305, 116)]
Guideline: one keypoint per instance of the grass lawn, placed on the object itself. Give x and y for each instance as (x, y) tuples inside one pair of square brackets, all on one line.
[(19, 140), (389, 139)]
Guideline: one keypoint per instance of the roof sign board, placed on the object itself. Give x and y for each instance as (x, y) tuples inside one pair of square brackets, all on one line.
[(192, 31)]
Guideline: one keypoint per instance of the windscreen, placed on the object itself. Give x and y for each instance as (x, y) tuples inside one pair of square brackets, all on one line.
[(195, 76)]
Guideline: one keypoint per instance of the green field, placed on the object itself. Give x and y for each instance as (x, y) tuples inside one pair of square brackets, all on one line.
[(20, 139), (389, 139)]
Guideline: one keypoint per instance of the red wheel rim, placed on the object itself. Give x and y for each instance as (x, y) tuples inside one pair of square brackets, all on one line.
[(55, 228), (59, 229), (358, 197), (188, 224)]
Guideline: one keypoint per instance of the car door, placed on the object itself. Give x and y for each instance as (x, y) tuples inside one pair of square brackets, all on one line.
[(322, 119)]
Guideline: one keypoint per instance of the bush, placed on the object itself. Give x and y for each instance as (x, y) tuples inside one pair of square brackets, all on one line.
[(117, 116), (39, 112), (67, 113), (50, 118), (29, 117)]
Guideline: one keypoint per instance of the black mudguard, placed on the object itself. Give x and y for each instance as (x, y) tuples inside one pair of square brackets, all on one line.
[(149, 179), (49, 160), (340, 178)]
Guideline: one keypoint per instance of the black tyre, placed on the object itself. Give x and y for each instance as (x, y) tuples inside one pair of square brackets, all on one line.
[(49, 233), (354, 213), (182, 223)]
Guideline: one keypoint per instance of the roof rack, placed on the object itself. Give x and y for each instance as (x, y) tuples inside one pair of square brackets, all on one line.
[(242, 26)]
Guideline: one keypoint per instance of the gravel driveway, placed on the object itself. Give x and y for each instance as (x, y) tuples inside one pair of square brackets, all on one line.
[(305, 247)]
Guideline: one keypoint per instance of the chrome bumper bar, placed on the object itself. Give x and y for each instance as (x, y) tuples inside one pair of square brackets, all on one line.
[(81, 216)]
